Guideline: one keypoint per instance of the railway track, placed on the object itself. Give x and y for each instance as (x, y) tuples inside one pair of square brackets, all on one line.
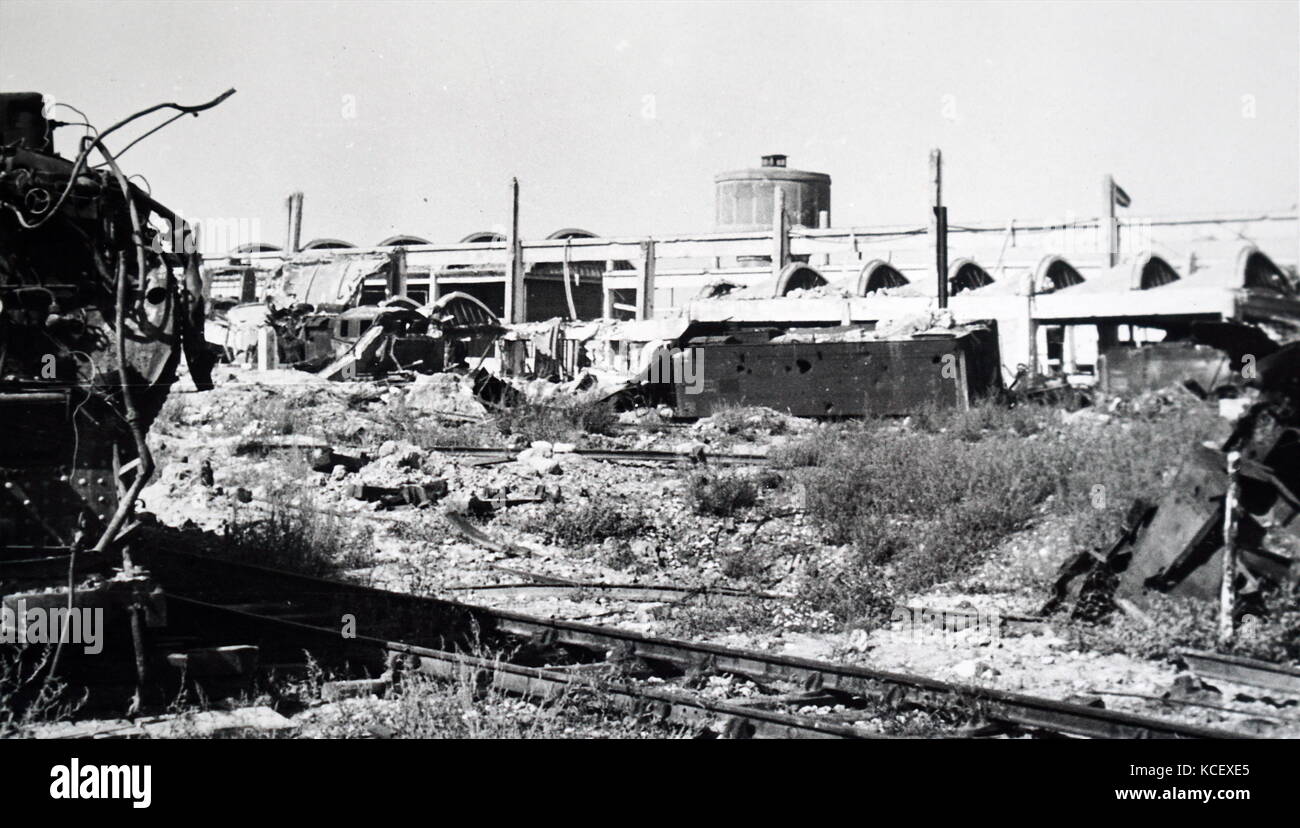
[(613, 455), (284, 613)]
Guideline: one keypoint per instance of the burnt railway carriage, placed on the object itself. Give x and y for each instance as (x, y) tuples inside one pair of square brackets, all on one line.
[(98, 301)]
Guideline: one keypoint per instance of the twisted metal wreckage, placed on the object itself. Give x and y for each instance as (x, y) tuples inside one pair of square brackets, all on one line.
[(1227, 530), (100, 297)]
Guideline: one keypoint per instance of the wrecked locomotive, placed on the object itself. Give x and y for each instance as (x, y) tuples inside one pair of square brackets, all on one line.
[(100, 297)]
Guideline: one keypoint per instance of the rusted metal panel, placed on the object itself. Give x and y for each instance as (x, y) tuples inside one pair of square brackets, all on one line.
[(1240, 670), (840, 379), (326, 283)]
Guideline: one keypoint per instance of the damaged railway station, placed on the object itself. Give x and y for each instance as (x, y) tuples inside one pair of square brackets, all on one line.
[(778, 477), (1110, 303)]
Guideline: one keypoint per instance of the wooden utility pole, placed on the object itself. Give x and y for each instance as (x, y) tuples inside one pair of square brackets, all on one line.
[(1108, 332), (515, 304), (1227, 591), (780, 232), (1112, 227), (293, 224), (939, 226), (645, 293)]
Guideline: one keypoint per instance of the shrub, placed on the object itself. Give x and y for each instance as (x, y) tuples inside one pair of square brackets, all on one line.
[(856, 596), (559, 420), (25, 699), (722, 495), (1183, 623), (576, 525), (298, 539), (932, 503), (709, 615)]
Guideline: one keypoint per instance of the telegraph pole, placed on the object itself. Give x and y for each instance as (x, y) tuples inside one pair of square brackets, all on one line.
[(515, 300), (939, 226)]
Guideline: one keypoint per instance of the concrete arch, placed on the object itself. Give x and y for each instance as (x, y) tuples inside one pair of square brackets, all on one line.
[(966, 274), (255, 247), (401, 240), (1151, 271), (716, 289), (1054, 272), (1257, 270), (798, 275), (877, 274), (327, 244), (481, 236), (572, 233)]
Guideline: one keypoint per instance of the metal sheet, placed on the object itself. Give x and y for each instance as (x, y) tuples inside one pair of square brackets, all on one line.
[(836, 379)]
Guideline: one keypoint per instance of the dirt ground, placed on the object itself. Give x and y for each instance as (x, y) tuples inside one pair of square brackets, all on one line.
[(764, 551)]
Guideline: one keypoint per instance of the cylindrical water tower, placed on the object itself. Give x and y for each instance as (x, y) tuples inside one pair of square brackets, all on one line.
[(745, 197)]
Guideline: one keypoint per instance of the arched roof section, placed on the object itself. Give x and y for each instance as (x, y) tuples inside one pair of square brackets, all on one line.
[(255, 247), (327, 244), (403, 241), (572, 233), (1151, 271), (876, 275), (966, 274), (1259, 271), (482, 236), (798, 275), (1054, 272)]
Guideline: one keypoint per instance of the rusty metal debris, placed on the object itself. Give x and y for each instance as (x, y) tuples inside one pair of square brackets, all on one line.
[(1240, 670), (424, 494), (1176, 546), (101, 298), (838, 372)]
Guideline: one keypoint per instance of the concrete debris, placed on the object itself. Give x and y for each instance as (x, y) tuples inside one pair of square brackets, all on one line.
[(973, 669), (539, 460)]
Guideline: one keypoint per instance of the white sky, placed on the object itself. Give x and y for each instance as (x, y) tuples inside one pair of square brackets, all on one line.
[(1032, 103)]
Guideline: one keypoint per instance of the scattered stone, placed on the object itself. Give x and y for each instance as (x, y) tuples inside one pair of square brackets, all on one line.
[(971, 669), (539, 460)]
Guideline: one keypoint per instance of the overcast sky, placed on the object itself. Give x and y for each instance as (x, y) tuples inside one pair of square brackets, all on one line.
[(412, 117)]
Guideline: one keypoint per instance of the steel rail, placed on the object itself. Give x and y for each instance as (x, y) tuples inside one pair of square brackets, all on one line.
[(1241, 670), (1003, 706), (615, 455), (539, 683)]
